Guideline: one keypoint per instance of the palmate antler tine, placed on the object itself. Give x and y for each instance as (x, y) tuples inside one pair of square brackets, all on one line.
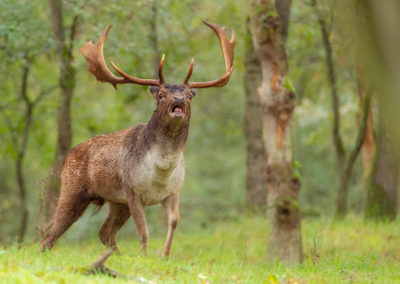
[(227, 47), (94, 56)]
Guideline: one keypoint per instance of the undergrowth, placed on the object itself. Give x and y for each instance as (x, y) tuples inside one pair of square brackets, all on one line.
[(351, 251)]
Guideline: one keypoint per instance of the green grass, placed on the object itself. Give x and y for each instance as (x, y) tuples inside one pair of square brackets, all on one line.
[(352, 251)]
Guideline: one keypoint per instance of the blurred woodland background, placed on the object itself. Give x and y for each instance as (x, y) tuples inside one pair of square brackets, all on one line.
[(342, 70)]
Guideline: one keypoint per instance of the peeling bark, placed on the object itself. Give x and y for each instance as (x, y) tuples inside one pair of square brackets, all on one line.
[(277, 106)]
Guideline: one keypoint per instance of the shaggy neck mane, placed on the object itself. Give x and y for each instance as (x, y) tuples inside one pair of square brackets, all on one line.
[(170, 133)]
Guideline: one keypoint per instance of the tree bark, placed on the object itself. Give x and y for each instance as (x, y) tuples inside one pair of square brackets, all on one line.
[(283, 9), (256, 184), (277, 103), (346, 171), (153, 37), (21, 153), (67, 85), (368, 146), (382, 192)]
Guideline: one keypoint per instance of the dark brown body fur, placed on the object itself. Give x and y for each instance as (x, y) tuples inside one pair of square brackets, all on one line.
[(129, 169)]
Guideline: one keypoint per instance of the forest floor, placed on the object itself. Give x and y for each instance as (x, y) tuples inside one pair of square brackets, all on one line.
[(351, 251)]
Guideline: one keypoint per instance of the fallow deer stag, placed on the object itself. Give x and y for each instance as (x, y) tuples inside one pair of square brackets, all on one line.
[(135, 167)]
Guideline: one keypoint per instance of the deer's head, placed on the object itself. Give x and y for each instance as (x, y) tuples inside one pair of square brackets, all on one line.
[(173, 100)]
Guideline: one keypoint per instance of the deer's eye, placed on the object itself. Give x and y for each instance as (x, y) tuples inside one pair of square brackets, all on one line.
[(160, 96), (190, 97)]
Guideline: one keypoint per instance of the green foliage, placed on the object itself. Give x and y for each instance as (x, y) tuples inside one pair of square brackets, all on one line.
[(288, 85), (349, 251), (214, 187), (297, 170)]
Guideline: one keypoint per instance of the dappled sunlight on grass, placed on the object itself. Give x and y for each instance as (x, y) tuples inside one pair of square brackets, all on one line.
[(348, 251)]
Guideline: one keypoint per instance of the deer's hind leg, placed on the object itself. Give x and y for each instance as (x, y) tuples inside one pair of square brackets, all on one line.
[(117, 217), (69, 208)]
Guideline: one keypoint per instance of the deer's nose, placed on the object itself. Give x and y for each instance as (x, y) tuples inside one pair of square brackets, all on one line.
[(179, 99)]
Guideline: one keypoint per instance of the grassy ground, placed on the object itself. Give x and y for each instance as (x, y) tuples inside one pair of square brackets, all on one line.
[(352, 251)]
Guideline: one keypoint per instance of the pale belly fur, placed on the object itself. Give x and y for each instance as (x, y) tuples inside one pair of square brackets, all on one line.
[(160, 175)]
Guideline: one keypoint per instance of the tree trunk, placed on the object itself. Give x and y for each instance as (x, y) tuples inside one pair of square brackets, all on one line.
[(345, 161), (256, 184), (67, 84), (153, 37), (21, 153), (368, 147), (341, 201), (277, 106), (382, 191), (283, 9)]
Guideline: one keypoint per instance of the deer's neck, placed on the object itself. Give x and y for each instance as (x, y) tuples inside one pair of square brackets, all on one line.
[(169, 135)]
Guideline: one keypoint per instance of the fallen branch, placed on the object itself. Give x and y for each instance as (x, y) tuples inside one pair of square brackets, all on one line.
[(98, 267)]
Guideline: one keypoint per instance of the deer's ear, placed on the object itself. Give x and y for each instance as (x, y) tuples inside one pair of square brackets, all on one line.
[(154, 91)]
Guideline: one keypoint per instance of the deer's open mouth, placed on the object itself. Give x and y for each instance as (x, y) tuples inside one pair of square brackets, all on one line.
[(177, 110)]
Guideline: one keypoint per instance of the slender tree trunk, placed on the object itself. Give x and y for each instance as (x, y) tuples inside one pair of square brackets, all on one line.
[(277, 104), (153, 37), (256, 184), (67, 85), (341, 201), (283, 9), (345, 161), (350, 160), (21, 153)]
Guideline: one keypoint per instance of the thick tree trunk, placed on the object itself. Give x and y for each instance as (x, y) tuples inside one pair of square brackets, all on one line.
[(256, 184), (277, 105), (368, 147), (382, 190), (67, 84)]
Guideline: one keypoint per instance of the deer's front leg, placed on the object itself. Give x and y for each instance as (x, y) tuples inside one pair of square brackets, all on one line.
[(171, 204), (136, 209)]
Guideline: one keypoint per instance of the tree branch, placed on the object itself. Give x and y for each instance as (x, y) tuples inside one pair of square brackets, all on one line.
[(43, 93), (340, 151), (361, 131), (9, 125), (72, 35)]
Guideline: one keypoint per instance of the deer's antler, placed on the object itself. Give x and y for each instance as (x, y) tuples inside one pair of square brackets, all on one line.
[(94, 56), (227, 47)]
